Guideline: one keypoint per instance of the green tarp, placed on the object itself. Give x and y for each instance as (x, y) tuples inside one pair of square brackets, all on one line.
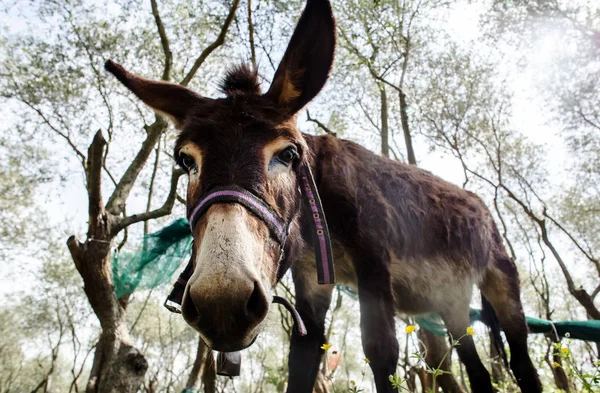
[(581, 330), (162, 253)]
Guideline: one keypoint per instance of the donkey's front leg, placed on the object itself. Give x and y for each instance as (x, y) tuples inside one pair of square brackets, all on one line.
[(377, 325), (312, 302)]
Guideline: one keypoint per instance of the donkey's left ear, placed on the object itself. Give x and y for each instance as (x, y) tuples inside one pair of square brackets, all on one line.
[(305, 66), (168, 99)]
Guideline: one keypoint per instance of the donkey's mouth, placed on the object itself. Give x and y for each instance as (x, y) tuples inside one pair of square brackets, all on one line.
[(235, 338), (228, 345)]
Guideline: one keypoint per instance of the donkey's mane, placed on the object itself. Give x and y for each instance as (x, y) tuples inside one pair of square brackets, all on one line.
[(240, 80)]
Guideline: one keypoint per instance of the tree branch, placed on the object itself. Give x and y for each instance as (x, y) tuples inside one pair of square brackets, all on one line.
[(410, 152), (578, 293), (164, 41), (164, 210), (588, 121), (151, 187), (587, 254), (209, 49), (319, 124), (251, 35), (76, 249), (66, 137), (94, 177), (116, 202)]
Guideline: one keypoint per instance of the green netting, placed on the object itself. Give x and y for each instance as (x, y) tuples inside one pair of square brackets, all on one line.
[(160, 255), (163, 252)]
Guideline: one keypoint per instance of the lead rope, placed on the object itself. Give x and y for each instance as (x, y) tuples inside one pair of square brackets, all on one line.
[(229, 363), (298, 322)]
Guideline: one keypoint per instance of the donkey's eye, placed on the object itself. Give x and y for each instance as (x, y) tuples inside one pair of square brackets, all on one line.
[(187, 162), (287, 155)]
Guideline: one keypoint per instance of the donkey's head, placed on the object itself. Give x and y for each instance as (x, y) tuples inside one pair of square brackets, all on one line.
[(242, 154)]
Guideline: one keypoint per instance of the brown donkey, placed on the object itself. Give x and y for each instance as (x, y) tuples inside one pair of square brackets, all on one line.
[(408, 241)]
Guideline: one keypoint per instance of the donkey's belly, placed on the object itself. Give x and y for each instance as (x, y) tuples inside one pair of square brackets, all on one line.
[(432, 285), (419, 286)]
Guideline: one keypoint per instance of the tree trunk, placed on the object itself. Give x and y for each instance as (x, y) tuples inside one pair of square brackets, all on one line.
[(580, 294), (209, 376), (385, 134), (496, 361), (321, 385), (203, 371), (560, 377), (438, 349), (405, 129), (117, 366)]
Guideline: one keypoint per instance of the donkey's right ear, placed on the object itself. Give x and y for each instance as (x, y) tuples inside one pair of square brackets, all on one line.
[(174, 101), (307, 61)]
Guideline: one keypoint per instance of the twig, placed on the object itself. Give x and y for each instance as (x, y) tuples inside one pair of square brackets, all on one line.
[(251, 35), (164, 210), (209, 49), (164, 41), (151, 187)]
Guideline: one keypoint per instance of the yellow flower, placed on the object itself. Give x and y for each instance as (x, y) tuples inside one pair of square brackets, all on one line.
[(367, 360), (409, 329), (565, 350), (352, 382), (326, 347), (555, 365), (470, 331)]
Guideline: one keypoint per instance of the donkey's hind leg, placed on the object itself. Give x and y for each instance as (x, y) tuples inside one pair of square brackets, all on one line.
[(501, 288), (457, 321)]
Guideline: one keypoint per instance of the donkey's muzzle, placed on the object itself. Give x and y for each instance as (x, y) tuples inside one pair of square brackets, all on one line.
[(227, 321)]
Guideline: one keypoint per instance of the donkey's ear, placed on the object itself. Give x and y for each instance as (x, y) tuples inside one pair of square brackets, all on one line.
[(169, 99), (305, 66)]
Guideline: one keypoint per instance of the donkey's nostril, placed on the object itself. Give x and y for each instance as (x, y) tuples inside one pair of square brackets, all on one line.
[(257, 305)]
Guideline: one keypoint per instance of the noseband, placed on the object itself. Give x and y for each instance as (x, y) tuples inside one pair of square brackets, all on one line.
[(278, 228), (260, 208)]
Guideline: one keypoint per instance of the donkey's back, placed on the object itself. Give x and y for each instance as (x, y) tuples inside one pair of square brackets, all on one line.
[(402, 210)]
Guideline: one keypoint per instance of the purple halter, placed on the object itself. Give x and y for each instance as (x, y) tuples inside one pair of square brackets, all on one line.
[(278, 228)]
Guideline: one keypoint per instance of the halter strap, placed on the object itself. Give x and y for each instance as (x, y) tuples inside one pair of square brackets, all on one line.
[(321, 239)]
